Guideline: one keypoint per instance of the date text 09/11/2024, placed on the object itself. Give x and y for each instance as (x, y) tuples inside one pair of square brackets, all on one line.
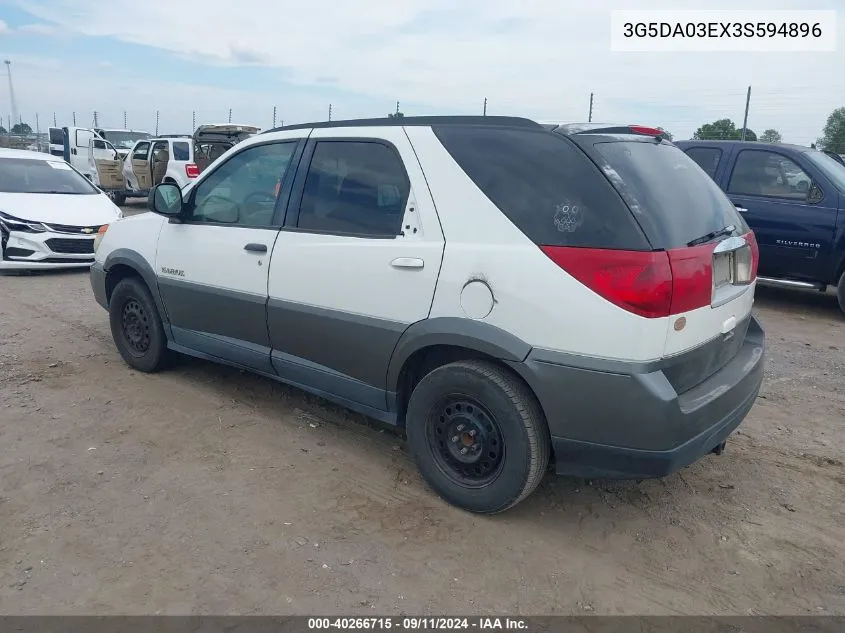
[(429, 623)]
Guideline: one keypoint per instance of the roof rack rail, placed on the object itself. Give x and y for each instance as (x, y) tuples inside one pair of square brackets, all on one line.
[(505, 121)]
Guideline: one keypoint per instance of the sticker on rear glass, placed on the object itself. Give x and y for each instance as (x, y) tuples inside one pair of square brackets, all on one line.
[(568, 218), (57, 165)]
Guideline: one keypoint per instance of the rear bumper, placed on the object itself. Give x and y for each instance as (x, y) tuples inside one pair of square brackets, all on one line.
[(619, 420)]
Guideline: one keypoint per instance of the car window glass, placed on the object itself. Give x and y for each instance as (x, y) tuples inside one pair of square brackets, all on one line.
[(180, 150), (140, 151), (354, 187), (707, 158), (765, 173), (242, 191)]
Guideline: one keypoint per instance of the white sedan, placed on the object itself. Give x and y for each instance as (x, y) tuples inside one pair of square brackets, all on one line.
[(50, 214)]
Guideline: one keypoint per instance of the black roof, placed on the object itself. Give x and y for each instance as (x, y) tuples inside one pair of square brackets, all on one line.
[(505, 121)]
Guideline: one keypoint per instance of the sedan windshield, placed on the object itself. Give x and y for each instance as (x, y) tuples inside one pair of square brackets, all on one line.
[(26, 175)]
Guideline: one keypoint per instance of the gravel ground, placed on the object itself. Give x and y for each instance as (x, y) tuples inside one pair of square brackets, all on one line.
[(207, 490)]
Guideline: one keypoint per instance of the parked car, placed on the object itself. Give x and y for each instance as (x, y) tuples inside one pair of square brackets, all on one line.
[(793, 198), (50, 214), (501, 291), (179, 159)]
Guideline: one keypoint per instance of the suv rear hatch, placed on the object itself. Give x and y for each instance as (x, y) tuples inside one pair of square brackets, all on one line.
[(634, 219), (224, 133)]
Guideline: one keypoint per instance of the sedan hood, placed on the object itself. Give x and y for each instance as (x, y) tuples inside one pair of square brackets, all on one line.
[(67, 209)]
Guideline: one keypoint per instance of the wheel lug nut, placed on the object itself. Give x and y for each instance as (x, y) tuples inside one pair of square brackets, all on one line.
[(455, 439), (472, 433), (460, 427), (463, 451)]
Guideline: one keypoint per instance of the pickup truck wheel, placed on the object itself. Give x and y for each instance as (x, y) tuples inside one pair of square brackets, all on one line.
[(136, 326), (840, 292), (478, 436)]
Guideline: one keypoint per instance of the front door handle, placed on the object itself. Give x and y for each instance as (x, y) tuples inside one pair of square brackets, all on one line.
[(256, 248), (407, 262)]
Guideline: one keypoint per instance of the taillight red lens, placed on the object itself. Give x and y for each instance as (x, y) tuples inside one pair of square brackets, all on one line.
[(638, 281), (650, 284), (191, 170), (692, 277), (751, 239)]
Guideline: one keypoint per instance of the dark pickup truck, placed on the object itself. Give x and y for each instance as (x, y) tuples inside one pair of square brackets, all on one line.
[(793, 198)]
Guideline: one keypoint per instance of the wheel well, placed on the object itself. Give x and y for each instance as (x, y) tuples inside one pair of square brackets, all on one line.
[(424, 361), (116, 274)]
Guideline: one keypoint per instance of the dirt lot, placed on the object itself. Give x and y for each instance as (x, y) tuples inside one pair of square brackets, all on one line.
[(207, 490)]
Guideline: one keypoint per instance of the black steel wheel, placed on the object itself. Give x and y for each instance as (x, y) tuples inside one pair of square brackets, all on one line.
[(478, 435), (136, 326), (465, 440)]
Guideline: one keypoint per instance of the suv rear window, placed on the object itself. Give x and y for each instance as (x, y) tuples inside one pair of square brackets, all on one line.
[(545, 185), (674, 200)]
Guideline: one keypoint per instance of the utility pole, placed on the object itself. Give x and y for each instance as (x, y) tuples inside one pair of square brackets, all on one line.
[(193, 121), (14, 104), (54, 120), (330, 112), (590, 115), (485, 106), (156, 122), (274, 116), (397, 107), (74, 119), (37, 126), (230, 115), (96, 121), (125, 127), (745, 120)]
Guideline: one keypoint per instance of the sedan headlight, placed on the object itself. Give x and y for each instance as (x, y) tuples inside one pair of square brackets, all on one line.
[(11, 223), (99, 237)]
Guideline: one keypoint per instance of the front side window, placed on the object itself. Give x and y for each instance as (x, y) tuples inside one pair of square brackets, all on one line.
[(140, 151), (243, 190), (765, 173), (25, 175), (354, 187)]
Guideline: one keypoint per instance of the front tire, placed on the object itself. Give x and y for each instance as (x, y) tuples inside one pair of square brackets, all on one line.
[(840, 292), (136, 326), (478, 436)]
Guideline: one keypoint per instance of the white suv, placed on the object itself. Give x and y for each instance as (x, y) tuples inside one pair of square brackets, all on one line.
[(502, 291)]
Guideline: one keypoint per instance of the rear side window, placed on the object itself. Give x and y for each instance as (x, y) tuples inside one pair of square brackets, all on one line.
[(672, 197), (707, 158), (56, 137), (354, 187), (180, 151), (545, 185)]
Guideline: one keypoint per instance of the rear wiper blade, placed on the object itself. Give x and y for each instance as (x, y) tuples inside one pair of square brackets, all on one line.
[(730, 228)]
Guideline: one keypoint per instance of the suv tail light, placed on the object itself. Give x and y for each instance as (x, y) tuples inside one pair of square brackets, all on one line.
[(656, 284), (192, 170)]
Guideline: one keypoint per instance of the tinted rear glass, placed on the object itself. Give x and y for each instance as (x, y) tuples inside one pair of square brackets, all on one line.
[(674, 200), (56, 137), (181, 151), (545, 185)]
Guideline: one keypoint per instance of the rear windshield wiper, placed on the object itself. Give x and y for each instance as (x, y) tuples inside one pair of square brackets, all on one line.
[(730, 228)]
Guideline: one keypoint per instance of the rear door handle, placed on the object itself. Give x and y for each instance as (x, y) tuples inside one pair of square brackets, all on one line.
[(256, 248), (741, 209), (407, 262)]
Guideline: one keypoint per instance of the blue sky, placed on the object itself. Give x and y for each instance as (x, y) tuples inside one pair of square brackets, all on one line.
[(533, 58)]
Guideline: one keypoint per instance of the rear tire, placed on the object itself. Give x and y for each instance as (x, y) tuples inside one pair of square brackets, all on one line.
[(478, 436), (136, 326), (840, 292)]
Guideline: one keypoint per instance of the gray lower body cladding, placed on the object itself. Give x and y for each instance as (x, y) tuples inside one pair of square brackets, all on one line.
[(606, 418), (622, 420)]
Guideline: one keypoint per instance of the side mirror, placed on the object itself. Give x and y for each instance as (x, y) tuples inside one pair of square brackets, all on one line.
[(815, 194), (165, 199)]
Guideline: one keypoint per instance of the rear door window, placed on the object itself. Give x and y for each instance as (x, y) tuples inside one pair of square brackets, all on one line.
[(707, 158), (545, 185), (181, 150), (672, 197), (354, 188)]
